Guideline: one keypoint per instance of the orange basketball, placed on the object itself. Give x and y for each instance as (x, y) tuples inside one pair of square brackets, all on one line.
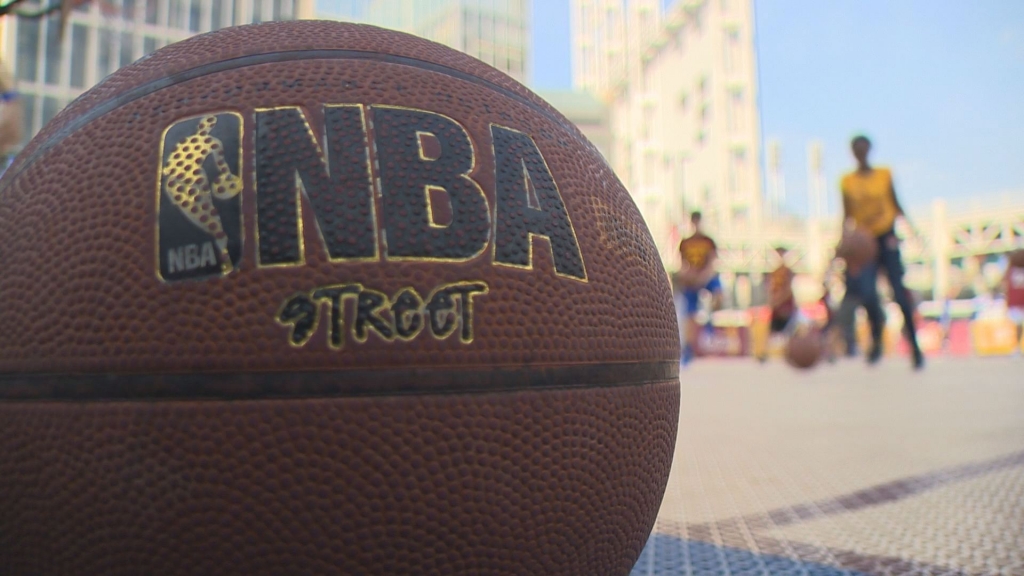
[(857, 247), (804, 348), (310, 298)]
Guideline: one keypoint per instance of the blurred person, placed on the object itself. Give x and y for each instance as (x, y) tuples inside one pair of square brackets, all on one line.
[(846, 321), (845, 316), (869, 202), (781, 302), (11, 112), (946, 317), (1013, 287), (828, 330), (697, 273)]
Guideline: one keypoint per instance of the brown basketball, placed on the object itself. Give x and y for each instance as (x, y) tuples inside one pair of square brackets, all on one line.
[(804, 348), (1016, 258), (857, 247), (317, 298)]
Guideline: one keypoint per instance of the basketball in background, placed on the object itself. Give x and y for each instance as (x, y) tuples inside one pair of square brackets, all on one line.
[(311, 298), (858, 248), (804, 348)]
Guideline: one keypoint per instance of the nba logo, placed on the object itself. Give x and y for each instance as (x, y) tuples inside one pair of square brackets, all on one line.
[(199, 225)]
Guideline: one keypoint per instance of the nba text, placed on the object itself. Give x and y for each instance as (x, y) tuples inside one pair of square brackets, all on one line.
[(191, 257), (358, 183)]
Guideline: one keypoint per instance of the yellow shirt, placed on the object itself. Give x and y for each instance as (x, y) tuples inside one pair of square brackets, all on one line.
[(870, 200), (697, 250)]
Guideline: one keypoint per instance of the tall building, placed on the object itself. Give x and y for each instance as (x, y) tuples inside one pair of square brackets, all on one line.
[(607, 36), (495, 31), (684, 119), (103, 36)]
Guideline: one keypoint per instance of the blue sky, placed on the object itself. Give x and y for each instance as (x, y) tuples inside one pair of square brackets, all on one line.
[(938, 85)]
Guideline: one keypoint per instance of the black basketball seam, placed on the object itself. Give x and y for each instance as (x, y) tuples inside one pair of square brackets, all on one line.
[(153, 86), (329, 384)]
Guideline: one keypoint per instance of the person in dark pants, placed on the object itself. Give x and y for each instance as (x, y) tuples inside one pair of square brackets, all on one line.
[(869, 203), (846, 318), (697, 254)]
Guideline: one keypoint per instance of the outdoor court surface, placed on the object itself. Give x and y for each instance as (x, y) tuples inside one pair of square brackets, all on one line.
[(845, 469)]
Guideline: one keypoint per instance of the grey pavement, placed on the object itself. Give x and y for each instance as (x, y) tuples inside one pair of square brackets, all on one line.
[(845, 469)]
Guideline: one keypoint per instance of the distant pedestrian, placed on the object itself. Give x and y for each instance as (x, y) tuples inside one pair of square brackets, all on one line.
[(698, 253), (1013, 285), (870, 203), (11, 118), (781, 302)]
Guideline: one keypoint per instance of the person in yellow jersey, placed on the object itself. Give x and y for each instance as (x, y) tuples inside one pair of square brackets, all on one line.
[(697, 253), (869, 202)]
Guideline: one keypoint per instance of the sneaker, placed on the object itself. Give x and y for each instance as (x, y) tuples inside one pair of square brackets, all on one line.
[(918, 359), (875, 354)]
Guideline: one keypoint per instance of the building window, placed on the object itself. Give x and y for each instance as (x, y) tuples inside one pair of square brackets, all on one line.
[(148, 45), (730, 49), (195, 15), (737, 170), (217, 15), (736, 105), (50, 108), (104, 63), (284, 9), (79, 54), (28, 120), (153, 11), (51, 74), (177, 14), (727, 54), (127, 48), (28, 49), (128, 10)]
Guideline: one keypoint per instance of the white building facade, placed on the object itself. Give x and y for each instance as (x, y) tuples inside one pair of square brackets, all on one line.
[(495, 31), (684, 117), (103, 36), (607, 37)]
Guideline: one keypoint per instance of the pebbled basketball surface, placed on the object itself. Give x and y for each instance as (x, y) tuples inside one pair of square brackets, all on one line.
[(309, 297)]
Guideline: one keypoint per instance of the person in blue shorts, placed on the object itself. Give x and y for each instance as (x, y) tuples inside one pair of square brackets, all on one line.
[(11, 112), (698, 253)]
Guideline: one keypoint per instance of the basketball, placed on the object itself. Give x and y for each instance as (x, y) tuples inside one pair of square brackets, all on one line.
[(311, 297), (857, 247), (1016, 258), (804, 348)]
